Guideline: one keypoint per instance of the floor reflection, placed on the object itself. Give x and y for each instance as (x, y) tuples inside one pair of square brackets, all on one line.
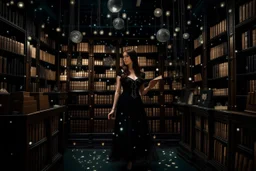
[(97, 160)]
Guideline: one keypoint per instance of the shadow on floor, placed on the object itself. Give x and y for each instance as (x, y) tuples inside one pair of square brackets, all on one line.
[(97, 160)]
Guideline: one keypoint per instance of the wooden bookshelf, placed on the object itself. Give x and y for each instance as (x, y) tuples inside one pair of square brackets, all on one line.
[(40, 136), (231, 138), (93, 88)]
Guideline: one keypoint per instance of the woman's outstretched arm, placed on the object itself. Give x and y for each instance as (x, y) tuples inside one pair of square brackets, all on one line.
[(144, 90)]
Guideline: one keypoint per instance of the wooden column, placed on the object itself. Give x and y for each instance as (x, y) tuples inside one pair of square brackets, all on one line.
[(91, 84), (205, 52), (231, 55), (38, 57)]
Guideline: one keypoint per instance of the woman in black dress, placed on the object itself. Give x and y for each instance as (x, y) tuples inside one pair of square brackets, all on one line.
[(132, 140)]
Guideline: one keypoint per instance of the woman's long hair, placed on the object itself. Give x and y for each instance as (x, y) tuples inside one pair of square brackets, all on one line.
[(135, 64)]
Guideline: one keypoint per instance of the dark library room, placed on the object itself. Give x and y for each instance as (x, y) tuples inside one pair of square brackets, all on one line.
[(128, 85)]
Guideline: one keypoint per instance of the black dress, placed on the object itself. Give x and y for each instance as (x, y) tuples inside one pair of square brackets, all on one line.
[(132, 140)]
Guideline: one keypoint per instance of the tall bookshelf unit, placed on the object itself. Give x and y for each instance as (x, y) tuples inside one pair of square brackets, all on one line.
[(91, 96), (222, 137)]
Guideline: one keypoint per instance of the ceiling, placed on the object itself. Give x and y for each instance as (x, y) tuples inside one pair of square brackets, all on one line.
[(140, 22)]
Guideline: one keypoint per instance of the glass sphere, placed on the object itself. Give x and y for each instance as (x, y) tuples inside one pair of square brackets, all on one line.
[(152, 37), (168, 13), (158, 12), (185, 36), (163, 35), (188, 22), (115, 5), (76, 36), (118, 23)]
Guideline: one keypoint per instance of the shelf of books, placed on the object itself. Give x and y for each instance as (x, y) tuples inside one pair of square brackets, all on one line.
[(245, 54), (92, 87), (12, 49), (223, 136)]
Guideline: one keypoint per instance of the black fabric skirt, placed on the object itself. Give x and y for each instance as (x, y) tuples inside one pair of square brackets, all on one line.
[(132, 140)]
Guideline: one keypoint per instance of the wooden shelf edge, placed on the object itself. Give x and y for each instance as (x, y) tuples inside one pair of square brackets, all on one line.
[(245, 149), (12, 24)]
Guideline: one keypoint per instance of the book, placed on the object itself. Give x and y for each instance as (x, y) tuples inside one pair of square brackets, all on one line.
[(158, 78)]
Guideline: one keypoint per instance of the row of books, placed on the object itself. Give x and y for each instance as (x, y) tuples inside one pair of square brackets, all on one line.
[(102, 112), (246, 138), (143, 61), (54, 124), (168, 98), (79, 126), (78, 113), (198, 139), (167, 86), (104, 49), (202, 146), (11, 66), (218, 51), (149, 99), (74, 73), (47, 74), (142, 48), (252, 85), (176, 85), (247, 10), (150, 74), (198, 41), (31, 51), (251, 63), (10, 44), (220, 92), (107, 74), (79, 99), (243, 162), (45, 39), (103, 99), (153, 111), (81, 47), (47, 57), (10, 87), (106, 126), (46, 88), (218, 28), (198, 121), (79, 85), (198, 77), (40, 154), (11, 15), (55, 146), (220, 152), (33, 71), (248, 39), (221, 130), (220, 70), (172, 126), (198, 60), (103, 126), (36, 132)]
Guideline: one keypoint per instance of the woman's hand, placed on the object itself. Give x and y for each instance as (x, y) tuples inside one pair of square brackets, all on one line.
[(111, 114), (152, 83)]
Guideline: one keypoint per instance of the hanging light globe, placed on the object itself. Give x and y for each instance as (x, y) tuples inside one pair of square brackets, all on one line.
[(185, 36), (118, 23), (158, 12), (163, 35), (115, 5), (76, 36)]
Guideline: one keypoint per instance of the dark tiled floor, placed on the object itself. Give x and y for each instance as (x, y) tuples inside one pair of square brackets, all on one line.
[(97, 160)]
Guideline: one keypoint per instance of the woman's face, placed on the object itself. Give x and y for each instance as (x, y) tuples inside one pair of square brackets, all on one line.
[(127, 59)]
